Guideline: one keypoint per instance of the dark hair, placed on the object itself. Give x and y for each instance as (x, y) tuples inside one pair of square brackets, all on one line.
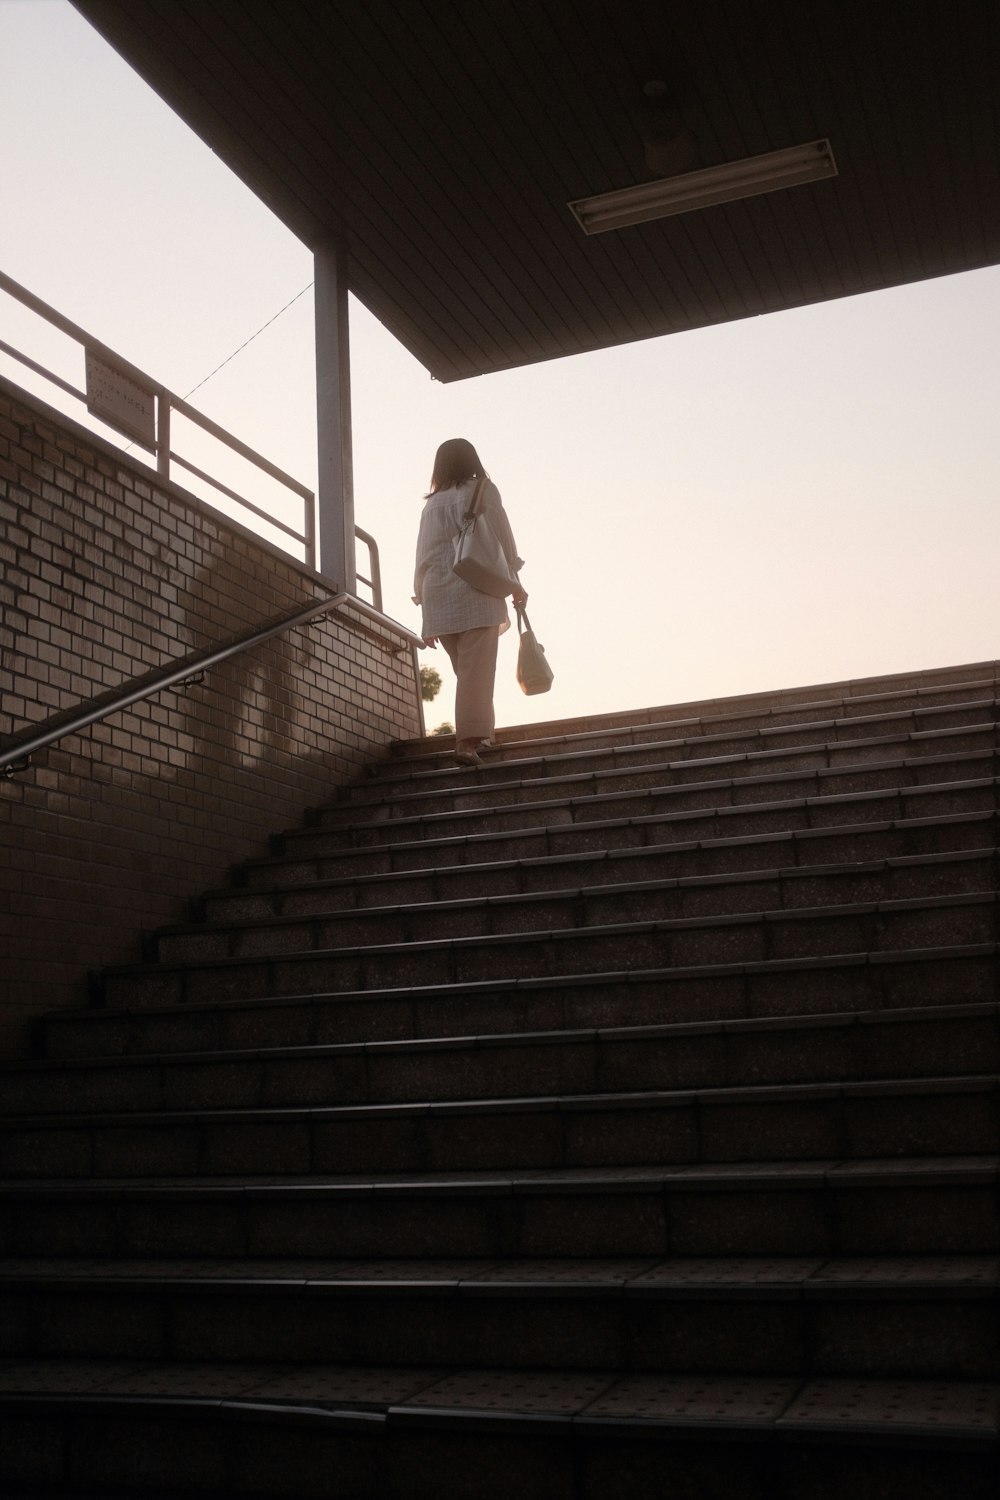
[(455, 461)]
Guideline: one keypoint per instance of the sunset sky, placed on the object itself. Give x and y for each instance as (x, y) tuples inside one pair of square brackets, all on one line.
[(792, 499)]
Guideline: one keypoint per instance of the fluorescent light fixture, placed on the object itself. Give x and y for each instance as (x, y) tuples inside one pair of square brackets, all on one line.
[(723, 184)]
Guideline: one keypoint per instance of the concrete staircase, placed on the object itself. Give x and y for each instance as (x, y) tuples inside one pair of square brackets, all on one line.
[(619, 1120)]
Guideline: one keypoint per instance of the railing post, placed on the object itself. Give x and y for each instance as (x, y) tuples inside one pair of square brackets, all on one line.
[(335, 489), (309, 531), (163, 433)]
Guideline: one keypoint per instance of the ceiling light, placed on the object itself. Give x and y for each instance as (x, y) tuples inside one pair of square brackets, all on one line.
[(723, 184)]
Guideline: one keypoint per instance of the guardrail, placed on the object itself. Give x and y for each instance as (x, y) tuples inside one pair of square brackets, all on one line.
[(129, 401)]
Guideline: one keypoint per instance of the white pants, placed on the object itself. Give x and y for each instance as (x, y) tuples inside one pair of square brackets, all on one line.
[(473, 654)]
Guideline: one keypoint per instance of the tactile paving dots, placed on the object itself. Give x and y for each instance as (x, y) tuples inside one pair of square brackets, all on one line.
[(201, 1381), (696, 1398), (347, 1385), (569, 1272), (61, 1375), (731, 1271), (922, 1403), (977, 1270), (549, 1392)]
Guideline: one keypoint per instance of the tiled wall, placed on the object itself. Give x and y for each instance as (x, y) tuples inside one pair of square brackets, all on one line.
[(105, 574)]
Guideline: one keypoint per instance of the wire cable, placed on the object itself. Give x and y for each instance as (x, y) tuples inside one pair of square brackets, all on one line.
[(247, 342), (243, 346)]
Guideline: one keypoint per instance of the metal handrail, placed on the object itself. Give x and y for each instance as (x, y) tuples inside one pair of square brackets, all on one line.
[(16, 755), (166, 404), (375, 581)]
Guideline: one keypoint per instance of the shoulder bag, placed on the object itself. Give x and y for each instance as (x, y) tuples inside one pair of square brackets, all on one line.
[(479, 558), (533, 671)]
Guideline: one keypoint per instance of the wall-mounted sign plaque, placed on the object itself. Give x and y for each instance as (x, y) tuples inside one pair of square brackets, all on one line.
[(118, 400)]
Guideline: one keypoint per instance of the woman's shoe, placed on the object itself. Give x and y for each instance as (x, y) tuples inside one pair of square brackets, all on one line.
[(467, 758)]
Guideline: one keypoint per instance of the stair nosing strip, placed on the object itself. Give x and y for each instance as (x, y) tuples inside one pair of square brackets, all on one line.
[(502, 986), (666, 789), (598, 1102), (850, 721), (832, 1173), (643, 820), (607, 891), (499, 1041), (564, 934)]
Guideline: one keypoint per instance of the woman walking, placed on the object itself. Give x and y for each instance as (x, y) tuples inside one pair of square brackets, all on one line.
[(466, 622)]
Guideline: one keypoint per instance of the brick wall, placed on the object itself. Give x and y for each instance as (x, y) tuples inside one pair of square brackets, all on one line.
[(105, 574)]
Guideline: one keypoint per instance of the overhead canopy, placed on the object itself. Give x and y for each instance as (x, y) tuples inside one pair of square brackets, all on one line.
[(441, 140)]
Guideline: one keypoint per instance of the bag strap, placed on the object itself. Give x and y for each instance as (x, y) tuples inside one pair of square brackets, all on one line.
[(477, 495), (522, 615)]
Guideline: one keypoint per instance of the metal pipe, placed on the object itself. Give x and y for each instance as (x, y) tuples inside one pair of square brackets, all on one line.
[(309, 531), (23, 746), (63, 385), (163, 434), (21, 294), (240, 499), (165, 398), (375, 581), (258, 459)]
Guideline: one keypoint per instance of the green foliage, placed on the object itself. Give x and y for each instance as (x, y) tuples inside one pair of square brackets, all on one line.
[(430, 683), (445, 728)]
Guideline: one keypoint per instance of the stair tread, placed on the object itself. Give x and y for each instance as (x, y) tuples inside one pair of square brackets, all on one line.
[(926, 1408), (831, 697), (910, 722), (837, 1250), (784, 1093), (502, 986), (982, 1169), (790, 876), (481, 789), (495, 1041), (809, 836), (749, 724), (585, 931), (612, 857), (635, 1276), (784, 776)]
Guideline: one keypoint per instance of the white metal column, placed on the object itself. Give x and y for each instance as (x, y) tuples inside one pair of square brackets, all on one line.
[(335, 487)]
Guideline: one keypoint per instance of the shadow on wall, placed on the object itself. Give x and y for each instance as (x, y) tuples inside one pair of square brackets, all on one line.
[(108, 576), (116, 827)]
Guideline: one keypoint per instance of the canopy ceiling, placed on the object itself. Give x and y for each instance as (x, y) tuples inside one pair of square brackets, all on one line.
[(441, 140)]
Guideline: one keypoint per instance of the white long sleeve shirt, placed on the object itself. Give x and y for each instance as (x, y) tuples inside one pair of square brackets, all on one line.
[(449, 603)]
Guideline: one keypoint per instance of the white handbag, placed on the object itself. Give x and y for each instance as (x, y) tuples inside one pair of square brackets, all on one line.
[(533, 671), (479, 558)]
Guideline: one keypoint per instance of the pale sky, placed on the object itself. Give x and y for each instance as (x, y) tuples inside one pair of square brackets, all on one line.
[(793, 499)]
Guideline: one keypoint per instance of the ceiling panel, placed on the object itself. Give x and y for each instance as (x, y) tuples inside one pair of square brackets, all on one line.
[(441, 141)]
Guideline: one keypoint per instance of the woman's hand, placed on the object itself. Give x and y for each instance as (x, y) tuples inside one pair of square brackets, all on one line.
[(519, 597), (431, 640)]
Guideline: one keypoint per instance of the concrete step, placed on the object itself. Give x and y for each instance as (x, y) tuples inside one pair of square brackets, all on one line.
[(871, 825), (929, 1042), (217, 1016), (467, 871), (300, 957), (921, 1317), (835, 1208), (638, 791), (951, 1116), (752, 711), (258, 1431), (663, 1053), (556, 904), (608, 756)]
